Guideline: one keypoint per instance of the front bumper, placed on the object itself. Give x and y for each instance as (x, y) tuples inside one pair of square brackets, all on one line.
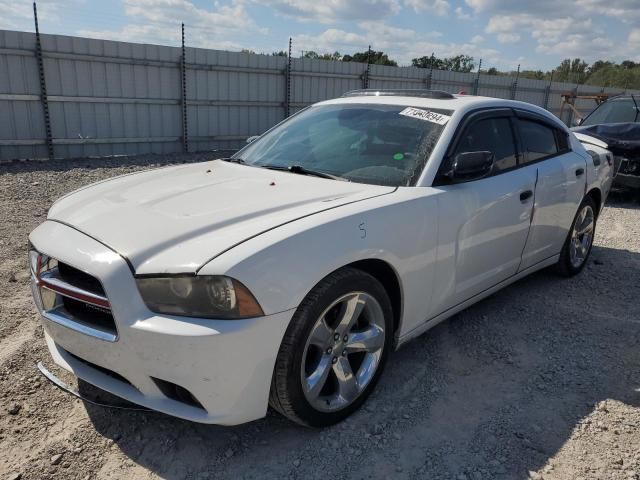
[(226, 365), (624, 180)]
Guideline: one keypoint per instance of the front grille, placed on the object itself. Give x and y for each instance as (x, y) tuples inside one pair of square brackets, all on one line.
[(80, 279), (73, 298), (630, 166), (90, 315)]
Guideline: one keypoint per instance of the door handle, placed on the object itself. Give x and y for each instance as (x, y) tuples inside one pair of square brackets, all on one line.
[(579, 171), (526, 195)]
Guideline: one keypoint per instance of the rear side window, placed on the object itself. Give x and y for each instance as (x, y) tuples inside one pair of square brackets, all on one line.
[(538, 140), (494, 135), (562, 140)]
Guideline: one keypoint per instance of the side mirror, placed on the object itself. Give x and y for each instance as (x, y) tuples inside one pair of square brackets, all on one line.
[(253, 138), (471, 166)]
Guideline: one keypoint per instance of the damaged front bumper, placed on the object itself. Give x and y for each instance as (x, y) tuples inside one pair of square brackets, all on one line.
[(628, 173)]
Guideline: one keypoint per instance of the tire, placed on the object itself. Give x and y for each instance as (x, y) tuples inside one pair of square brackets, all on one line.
[(306, 385), (577, 246)]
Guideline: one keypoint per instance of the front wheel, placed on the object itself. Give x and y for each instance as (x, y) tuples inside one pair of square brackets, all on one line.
[(334, 349), (578, 245)]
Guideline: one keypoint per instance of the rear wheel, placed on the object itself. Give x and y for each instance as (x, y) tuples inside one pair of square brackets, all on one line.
[(334, 349), (578, 245)]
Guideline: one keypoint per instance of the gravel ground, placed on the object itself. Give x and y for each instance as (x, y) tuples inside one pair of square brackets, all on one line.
[(541, 380)]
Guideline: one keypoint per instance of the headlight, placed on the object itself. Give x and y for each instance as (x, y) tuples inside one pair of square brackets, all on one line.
[(199, 296)]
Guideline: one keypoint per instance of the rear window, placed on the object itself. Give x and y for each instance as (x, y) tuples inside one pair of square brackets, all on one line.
[(538, 140), (620, 110), (562, 138)]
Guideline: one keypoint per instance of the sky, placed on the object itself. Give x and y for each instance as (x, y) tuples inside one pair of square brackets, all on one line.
[(537, 34)]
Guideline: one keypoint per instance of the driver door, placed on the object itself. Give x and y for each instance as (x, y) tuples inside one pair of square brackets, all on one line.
[(482, 224)]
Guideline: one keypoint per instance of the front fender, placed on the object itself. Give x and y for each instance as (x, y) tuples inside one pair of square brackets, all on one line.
[(281, 266)]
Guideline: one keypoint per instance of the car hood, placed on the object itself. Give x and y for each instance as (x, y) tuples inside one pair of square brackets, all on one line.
[(621, 138), (176, 219), (589, 140)]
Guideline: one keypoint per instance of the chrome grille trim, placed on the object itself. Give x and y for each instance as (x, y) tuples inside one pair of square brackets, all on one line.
[(59, 316), (45, 276), (51, 282)]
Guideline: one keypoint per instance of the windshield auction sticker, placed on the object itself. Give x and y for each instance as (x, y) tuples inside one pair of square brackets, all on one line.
[(426, 115)]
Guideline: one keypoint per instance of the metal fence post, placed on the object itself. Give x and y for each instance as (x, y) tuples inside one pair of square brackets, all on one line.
[(574, 94), (547, 92), (429, 80), (477, 80), (43, 87), (365, 77), (514, 86), (185, 119), (287, 84)]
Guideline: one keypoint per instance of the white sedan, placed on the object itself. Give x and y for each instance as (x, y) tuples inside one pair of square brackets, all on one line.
[(287, 274)]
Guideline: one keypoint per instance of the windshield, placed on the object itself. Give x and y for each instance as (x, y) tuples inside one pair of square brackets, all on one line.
[(620, 110), (366, 143)]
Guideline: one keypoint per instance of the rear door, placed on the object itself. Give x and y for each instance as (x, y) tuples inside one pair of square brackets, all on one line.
[(560, 185), (482, 224)]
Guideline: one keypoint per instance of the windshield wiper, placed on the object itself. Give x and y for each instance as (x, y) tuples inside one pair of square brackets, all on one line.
[(233, 160), (299, 169)]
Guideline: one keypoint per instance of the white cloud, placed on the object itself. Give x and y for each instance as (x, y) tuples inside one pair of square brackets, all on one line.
[(232, 17), (400, 44), (379, 30), (625, 10), (561, 37), (157, 21), (508, 37), (329, 11), (19, 15), (477, 39), (547, 8), (461, 14), (633, 46), (332, 40), (436, 7)]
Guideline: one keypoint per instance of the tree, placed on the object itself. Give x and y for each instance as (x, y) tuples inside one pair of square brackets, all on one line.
[(574, 71), (248, 50), (325, 56), (534, 74), (377, 58), (598, 65), (428, 62), (493, 71), (614, 75), (457, 63), (280, 53), (331, 56)]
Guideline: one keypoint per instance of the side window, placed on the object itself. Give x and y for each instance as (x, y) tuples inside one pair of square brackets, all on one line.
[(562, 139), (494, 135), (538, 140)]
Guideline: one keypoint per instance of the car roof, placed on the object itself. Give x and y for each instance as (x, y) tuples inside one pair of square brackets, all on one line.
[(456, 103)]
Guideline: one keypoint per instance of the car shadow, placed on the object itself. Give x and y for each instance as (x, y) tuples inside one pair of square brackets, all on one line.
[(624, 198), (494, 392)]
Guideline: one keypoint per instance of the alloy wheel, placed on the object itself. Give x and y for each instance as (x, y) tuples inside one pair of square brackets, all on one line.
[(343, 351), (582, 236)]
